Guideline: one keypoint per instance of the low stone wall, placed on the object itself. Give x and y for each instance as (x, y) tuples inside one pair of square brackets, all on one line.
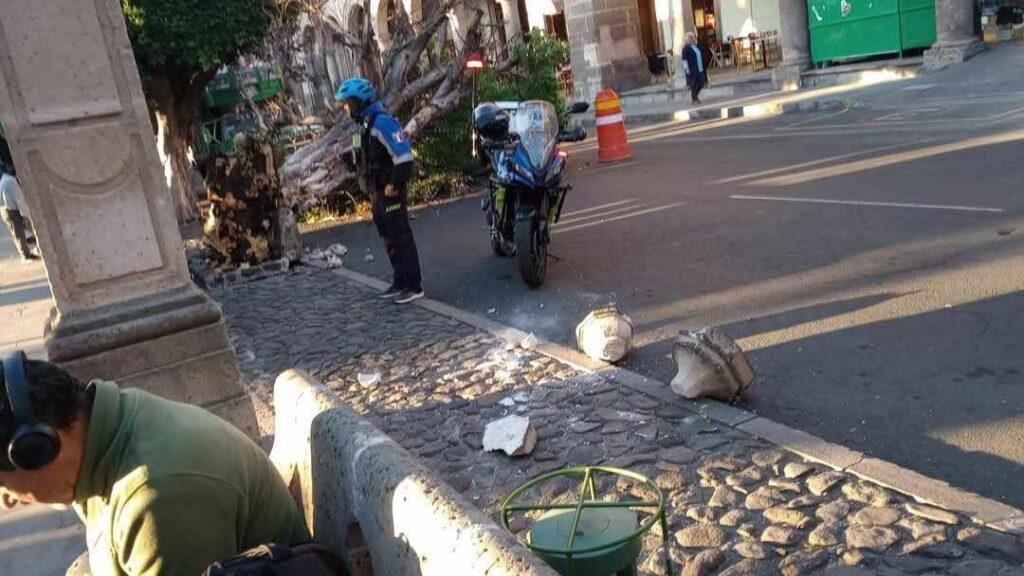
[(362, 493)]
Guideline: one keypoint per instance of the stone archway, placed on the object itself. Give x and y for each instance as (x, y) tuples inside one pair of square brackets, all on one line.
[(387, 18)]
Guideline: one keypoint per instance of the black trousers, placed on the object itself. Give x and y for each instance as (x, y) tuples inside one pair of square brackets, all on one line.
[(391, 215), (696, 82), (19, 227)]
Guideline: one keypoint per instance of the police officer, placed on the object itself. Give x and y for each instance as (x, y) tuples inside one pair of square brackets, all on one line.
[(383, 152)]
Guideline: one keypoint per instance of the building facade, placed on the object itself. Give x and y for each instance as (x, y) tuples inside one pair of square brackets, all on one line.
[(612, 41)]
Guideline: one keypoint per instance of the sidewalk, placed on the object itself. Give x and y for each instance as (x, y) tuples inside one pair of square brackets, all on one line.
[(737, 503), (24, 301), (34, 540)]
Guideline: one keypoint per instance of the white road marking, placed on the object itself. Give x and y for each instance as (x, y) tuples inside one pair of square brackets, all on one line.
[(815, 118), (1006, 114), (866, 203), (828, 160), (574, 218), (917, 87), (891, 159), (605, 168), (598, 207), (622, 217)]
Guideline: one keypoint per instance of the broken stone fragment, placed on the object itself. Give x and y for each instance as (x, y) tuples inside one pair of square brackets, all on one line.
[(513, 435), (605, 334), (710, 365), (368, 379), (530, 342)]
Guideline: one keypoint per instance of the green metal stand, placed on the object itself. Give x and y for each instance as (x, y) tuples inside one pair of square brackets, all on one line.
[(600, 537)]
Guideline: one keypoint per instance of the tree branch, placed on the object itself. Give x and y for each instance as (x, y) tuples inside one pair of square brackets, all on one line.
[(402, 59)]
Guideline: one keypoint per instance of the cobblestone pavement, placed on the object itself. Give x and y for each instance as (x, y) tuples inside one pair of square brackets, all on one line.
[(735, 505)]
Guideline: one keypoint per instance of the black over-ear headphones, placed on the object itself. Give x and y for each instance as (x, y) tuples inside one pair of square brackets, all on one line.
[(32, 445)]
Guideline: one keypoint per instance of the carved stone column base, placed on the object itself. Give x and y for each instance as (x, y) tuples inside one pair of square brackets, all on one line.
[(788, 76), (942, 56), (174, 344)]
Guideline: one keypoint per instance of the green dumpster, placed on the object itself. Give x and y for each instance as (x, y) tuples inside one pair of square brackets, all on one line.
[(845, 29), (917, 23)]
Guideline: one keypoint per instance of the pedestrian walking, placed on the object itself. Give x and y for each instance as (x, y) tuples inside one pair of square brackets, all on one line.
[(385, 158), (14, 213), (696, 75)]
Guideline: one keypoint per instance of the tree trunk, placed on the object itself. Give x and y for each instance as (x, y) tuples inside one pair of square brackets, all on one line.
[(174, 149), (176, 103)]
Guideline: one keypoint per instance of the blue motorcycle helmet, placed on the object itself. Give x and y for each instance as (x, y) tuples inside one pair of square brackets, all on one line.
[(358, 89)]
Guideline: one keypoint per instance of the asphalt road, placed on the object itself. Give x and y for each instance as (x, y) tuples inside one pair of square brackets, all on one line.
[(885, 318)]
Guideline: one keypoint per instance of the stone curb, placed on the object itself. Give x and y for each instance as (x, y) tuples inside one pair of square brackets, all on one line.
[(823, 105), (924, 489), (214, 280), (346, 471), (756, 110)]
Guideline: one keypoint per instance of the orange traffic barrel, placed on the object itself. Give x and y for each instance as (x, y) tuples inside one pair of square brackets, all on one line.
[(612, 143)]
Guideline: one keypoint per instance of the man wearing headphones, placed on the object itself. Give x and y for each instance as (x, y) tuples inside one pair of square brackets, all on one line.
[(383, 152), (163, 488)]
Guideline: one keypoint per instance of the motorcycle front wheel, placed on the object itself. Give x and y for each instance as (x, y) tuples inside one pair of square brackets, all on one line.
[(532, 251)]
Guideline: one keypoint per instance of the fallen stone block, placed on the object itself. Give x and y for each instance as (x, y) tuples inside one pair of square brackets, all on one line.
[(605, 334), (368, 379), (513, 435), (711, 365)]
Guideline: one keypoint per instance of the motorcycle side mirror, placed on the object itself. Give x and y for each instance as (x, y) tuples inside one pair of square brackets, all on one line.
[(579, 108), (576, 134)]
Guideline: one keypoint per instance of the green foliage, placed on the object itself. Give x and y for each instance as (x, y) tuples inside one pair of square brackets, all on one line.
[(437, 186), (535, 76), (186, 36), (446, 145), (347, 201), (350, 202)]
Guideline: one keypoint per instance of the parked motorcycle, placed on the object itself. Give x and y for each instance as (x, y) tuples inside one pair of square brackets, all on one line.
[(527, 184)]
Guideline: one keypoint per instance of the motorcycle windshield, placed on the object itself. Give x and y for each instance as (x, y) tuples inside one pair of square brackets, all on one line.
[(536, 123)]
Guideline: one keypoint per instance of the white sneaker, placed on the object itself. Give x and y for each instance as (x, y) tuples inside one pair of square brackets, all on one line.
[(408, 297)]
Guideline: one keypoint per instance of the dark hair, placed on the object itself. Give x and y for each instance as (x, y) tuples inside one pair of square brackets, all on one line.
[(6, 159), (58, 399)]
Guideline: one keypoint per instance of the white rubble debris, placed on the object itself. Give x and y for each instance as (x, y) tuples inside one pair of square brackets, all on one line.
[(711, 365), (368, 379), (513, 435), (605, 334), (530, 342)]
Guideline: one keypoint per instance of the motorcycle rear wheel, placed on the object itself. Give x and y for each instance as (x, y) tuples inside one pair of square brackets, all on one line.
[(532, 251)]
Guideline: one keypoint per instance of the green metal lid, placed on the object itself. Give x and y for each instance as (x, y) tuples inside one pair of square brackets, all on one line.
[(597, 527), (607, 538)]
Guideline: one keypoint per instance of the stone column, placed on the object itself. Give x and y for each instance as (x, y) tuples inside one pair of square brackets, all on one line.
[(604, 46), (125, 308), (795, 41), (955, 41)]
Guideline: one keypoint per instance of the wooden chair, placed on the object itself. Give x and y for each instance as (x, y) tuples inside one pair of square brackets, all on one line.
[(719, 58)]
